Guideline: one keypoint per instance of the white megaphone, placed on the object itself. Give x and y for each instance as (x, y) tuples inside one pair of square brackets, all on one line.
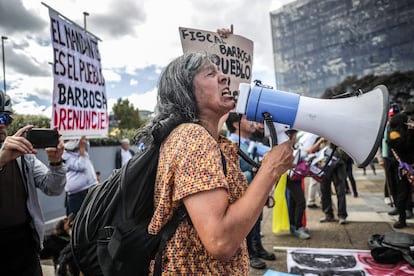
[(356, 124)]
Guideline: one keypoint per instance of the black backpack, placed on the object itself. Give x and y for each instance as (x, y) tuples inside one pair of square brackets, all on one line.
[(109, 233), (392, 247)]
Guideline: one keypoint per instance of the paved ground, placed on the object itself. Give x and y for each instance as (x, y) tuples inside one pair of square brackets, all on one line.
[(367, 215)]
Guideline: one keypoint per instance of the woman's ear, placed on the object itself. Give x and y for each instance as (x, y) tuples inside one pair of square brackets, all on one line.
[(235, 125)]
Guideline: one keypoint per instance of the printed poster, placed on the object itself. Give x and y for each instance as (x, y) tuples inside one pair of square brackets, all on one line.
[(323, 261), (79, 96)]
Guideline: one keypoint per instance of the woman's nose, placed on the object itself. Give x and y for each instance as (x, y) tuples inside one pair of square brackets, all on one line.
[(223, 78)]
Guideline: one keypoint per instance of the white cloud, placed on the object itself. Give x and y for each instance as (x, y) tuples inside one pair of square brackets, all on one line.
[(29, 108), (133, 82), (111, 75), (135, 35), (145, 101)]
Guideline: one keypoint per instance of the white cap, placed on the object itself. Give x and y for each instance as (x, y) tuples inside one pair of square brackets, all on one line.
[(72, 145)]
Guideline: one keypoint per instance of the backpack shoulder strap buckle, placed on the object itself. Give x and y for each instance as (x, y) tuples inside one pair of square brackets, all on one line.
[(107, 232)]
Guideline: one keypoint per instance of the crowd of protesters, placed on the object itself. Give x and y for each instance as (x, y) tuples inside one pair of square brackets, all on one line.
[(224, 236)]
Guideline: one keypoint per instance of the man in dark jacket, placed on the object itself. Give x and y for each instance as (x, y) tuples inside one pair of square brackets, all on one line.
[(21, 219), (123, 154), (401, 142)]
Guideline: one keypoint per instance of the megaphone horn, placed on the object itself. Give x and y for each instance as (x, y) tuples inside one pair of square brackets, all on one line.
[(356, 124)]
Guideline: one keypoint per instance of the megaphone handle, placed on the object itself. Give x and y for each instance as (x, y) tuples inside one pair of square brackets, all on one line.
[(269, 123)]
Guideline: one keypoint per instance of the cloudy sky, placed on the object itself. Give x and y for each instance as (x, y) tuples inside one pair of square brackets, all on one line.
[(138, 39)]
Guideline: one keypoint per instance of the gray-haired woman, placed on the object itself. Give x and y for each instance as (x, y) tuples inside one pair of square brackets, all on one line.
[(193, 94)]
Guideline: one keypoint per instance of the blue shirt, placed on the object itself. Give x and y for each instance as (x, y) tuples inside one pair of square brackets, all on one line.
[(245, 167)]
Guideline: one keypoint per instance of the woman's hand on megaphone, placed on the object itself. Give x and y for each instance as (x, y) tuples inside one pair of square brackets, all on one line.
[(279, 159)]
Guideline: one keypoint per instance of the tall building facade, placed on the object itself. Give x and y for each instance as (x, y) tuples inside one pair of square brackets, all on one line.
[(318, 43)]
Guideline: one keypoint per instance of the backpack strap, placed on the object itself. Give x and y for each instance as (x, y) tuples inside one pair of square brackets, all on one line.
[(166, 233), (406, 256), (402, 242)]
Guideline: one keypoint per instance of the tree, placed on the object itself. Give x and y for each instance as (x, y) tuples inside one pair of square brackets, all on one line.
[(20, 121), (127, 115)]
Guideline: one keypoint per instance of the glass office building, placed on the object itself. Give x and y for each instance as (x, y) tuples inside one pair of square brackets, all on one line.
[(318, 43)]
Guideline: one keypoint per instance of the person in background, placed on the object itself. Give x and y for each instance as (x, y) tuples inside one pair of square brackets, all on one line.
[(390, 164), (336, 173), (350, 175), (372, 166), (314, 191), (55, 246), (80, 174), (259, 134), (193, 95), (297, 201), (401, 142), (123, 154), (307, 145), (240, 128), (21, 174), (98, 177)]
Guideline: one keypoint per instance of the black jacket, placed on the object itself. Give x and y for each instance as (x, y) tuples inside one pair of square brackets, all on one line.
[(118, 158)]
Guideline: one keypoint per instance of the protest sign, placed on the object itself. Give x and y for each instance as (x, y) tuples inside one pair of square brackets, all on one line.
[(335, 261), (79, 97), (235, 52)]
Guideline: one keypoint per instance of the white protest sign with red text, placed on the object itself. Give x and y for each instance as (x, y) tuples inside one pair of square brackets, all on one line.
[(79, 97)]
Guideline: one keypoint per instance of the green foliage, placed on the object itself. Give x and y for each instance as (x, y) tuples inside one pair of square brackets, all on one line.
[(114, 138), (127, 115), (400, 86), (20, 121)]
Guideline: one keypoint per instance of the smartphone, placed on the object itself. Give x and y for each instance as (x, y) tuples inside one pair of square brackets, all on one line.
[(43, 137)]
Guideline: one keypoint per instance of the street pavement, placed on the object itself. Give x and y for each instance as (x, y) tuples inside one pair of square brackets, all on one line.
[(367, 215)]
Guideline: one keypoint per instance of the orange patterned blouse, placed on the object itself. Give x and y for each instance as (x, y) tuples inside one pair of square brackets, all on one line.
[(190, 162)]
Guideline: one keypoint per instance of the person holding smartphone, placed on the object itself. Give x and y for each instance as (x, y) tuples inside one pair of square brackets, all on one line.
[(21, 219)]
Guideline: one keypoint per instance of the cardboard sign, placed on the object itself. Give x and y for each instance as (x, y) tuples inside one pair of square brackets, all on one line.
[(235, 52), (79, 97)]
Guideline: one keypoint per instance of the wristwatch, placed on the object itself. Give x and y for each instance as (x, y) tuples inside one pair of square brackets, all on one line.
[(55, 163)]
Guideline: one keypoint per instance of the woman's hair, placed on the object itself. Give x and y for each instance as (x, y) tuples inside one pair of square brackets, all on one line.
[(176, 101)]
